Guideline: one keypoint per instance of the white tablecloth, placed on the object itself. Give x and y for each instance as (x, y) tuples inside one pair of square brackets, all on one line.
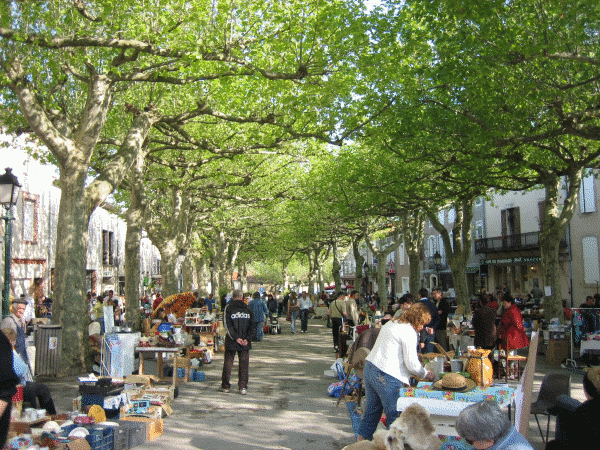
[(590, 345)]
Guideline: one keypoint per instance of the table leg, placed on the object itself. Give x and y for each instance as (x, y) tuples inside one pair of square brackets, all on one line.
[(175, 377), (159, 365), (141, 367)]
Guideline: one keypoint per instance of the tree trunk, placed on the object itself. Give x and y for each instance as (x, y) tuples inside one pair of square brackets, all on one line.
[(554, 228), (70, 308), (412, 226), (134, 218), (360, 260)]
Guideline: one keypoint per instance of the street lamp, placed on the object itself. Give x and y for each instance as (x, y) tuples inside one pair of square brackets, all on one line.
[(211, 269), (180, 259), (9, 192), (437, 260)]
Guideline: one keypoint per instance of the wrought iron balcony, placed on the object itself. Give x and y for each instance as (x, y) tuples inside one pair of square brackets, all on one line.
[(515, 242)]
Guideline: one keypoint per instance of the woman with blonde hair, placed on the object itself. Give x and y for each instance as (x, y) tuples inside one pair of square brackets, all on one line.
[(389, 366)]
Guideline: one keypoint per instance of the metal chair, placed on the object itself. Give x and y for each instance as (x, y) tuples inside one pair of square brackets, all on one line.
[(512, 370), (553, 385)]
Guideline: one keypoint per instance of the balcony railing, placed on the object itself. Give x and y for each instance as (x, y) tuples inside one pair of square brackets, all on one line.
[(515, 242)]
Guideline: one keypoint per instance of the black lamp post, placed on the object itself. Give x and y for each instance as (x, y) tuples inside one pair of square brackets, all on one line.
[(9, 192), (437, 260)]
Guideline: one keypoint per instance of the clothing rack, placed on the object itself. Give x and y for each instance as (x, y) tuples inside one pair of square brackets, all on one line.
[(571, 363)]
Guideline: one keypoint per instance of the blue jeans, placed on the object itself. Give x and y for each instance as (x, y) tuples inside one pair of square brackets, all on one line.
[(260, 333), (293, 317), (381, 392), (304, 319)]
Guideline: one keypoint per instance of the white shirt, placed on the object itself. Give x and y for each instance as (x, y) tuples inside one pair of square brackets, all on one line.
[(304, 303), (395, 352), (29, 313)]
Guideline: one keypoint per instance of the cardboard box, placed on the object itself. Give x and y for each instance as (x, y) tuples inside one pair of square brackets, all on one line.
[(154, 427), (557, 352), (146, 380)]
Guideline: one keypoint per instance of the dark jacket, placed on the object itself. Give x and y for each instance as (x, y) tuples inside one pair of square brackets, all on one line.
[(578, 429), (444, 307), (484, 324), (8, 378), (239, 323)]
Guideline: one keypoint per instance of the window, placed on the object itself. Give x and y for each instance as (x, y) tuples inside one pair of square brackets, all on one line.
[(30, 218), (107, 247), (451, 215), (587, 196), (479, 229), (405, 285), (511, 221), (591, 271), (401, 255), (441, 215)]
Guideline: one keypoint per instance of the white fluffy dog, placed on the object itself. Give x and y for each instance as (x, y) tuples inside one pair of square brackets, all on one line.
[(412, 430)]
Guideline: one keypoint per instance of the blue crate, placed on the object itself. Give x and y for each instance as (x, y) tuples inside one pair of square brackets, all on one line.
[(100, 437), (198, 375), (91, 399)]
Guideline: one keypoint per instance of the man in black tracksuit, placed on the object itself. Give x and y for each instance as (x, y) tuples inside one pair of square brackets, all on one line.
[(238, 320)]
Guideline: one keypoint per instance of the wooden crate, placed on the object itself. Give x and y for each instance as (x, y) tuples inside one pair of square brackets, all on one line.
[(154, 427)]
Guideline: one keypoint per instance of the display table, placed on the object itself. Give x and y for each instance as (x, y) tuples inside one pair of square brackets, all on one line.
[(145, 351), (445, 406), (321, 311), (591, 346)]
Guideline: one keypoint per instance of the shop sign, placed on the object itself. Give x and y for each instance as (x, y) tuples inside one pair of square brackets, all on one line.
[(515, 260)]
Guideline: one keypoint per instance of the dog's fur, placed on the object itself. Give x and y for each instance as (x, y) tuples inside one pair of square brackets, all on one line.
[(412, 430)]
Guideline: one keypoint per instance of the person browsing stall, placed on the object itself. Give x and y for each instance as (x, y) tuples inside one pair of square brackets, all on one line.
[(485, 426), (389, 366)]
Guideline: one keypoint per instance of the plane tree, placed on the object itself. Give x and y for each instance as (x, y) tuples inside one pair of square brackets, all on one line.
[(73, 73), (520, 81)]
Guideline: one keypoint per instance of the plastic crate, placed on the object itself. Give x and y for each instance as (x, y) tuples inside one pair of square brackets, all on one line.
[(121, 437), (101, 437), (154, 427), (135, 432), (89, 399)]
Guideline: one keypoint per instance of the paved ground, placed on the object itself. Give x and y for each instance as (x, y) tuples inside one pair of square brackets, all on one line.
[(286, 407)]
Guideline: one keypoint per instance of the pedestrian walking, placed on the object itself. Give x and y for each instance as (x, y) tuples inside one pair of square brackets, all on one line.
[(259, 309), (240, 327), (338, 313), (293, 309), (304, 303)]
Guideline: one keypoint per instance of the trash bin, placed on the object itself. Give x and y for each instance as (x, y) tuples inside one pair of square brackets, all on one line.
[(48, 343)]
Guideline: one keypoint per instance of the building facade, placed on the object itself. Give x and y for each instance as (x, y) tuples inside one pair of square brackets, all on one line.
[(34, 236)]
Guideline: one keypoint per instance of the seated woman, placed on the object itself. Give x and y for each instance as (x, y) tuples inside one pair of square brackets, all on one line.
[(485, 426), (32, 391), (577, 429)]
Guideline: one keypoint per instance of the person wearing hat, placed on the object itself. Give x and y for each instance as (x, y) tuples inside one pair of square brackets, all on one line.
[(389, 366), (485, 426), (338, 313), (577, 429), (16, 322)]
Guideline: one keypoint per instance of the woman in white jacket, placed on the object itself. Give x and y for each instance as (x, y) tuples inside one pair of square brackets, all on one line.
[(390, 365)]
